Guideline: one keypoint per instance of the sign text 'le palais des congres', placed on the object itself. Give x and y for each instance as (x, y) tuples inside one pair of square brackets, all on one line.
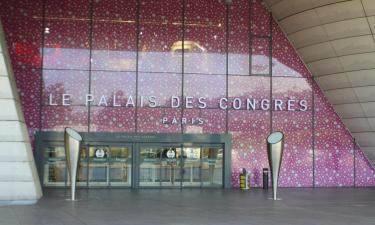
[(187, 102)]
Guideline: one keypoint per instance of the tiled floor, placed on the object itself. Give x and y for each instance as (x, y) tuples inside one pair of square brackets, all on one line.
[(199, 207)]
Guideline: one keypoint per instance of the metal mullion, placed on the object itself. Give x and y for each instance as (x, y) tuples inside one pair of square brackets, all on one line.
[(250, 37), (201, 166), (270, 71), (90, 61), (137, 66), (313, 129)]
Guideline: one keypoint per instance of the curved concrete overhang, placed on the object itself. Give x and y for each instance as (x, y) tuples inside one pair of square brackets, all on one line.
[(335, 39)]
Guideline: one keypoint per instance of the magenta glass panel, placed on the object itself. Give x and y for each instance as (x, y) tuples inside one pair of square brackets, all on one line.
[(114, 43), (260, 60), (209, 87), (24, 50), (204, 121), (160, 37), (59, 82), (249, 131), (76, 9), (285, 60), (253, 88), (116, 87), (21, 8), (365, 173), (204, 41), (296, 168), (66, 44), (115, 10), (162, 86), (112, 119), (28, 82), (150, 120), (239, 38), (291, 94), (114, 46), (334, 160), (56, 118), (260, 19)]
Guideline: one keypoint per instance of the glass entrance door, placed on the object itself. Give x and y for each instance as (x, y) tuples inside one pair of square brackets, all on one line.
[(110, 165), (159, 166), (180, 166)]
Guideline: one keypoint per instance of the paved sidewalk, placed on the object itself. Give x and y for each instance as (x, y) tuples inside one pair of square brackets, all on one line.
[(197, 207)]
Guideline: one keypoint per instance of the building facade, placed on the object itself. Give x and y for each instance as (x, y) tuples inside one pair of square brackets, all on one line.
[(160, 69)]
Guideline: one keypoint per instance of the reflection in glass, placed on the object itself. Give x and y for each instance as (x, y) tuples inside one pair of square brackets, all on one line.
[(149, 168), (120, 166), (212, 167), (170, 170), (191, 167), (99, 166), (54, 166)]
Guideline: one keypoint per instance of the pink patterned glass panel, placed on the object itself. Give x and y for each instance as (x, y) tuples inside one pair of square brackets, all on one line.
[(162, 86), (364, 172), (56, 118), (249, 131), (249, 87), (59, 82), (260, 58), (28, 82), (21, 8), (239, 38), (149, 120), (334, 160), (260, 19), (24, 50), (74, 9), (295, 94), (114, 46), (66, 45), (296, 167), (115, 10), (204, 37), (112, 119), (160, 37), (116, 87), (213, 121), (209, 87)]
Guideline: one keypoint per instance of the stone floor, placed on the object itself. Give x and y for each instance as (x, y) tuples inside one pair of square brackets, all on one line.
[(199, 207)]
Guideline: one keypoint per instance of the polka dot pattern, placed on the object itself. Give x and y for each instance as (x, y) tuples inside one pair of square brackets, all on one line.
[(65, 68)]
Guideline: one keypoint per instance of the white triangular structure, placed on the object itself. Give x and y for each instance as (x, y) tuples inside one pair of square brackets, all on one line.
[(19, 181)]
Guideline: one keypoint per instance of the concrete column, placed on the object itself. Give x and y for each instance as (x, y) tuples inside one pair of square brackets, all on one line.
[(19, 182)]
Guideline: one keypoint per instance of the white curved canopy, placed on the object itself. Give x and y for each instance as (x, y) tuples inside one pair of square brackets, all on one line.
[(335, 39)]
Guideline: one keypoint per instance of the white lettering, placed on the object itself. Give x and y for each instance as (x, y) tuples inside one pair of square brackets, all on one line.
[(66, 99), (265, 104), (130, 102), (237, 103), (51, 100), (291, 104), (202, 103), (152, 101), (189, 102), (89, 98), (103, 100), (250, 104), (278, 104), (303, 104), (114, 101), (221, 104), (175, 102)]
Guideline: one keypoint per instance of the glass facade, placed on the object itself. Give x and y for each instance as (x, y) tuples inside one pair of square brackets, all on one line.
[(176, 66)]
